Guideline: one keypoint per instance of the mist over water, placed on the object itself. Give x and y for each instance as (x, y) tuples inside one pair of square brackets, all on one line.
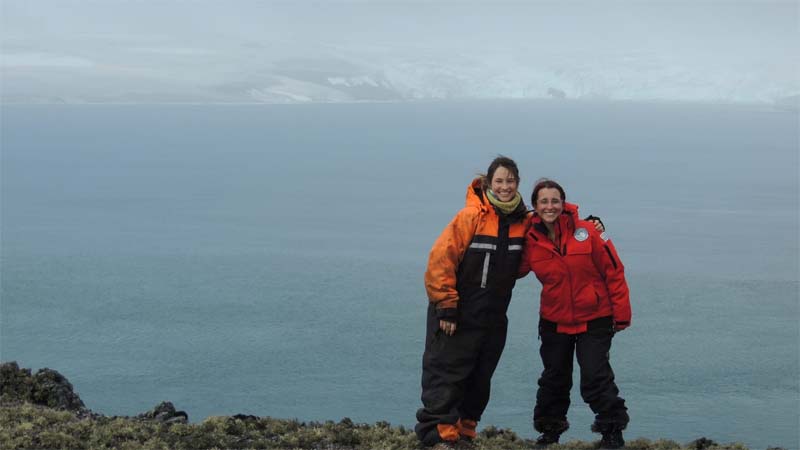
[(268, 260)]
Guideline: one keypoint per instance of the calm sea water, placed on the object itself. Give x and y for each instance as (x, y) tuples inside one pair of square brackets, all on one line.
[(268, 260)]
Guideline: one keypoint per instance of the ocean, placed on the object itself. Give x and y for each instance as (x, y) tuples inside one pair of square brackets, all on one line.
[(268, 259)]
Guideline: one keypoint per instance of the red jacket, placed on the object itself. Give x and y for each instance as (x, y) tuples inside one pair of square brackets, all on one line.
[(582, 278)]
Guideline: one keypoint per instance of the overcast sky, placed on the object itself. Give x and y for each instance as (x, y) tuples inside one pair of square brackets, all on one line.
[(166, 40)]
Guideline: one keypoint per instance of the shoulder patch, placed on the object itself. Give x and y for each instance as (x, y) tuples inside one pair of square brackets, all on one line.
[(581, 234)]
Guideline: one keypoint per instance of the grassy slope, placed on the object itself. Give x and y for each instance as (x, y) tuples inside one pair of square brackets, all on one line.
[(28, 426)]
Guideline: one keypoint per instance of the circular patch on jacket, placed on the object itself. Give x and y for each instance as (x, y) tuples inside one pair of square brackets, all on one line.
[(581, 234)]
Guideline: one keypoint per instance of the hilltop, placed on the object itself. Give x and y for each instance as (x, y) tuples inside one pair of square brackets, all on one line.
[(42, 411)]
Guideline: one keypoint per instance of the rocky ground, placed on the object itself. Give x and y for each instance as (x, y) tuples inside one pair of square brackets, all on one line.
[(42, 411)]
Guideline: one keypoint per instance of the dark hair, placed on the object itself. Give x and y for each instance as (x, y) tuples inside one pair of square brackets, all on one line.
[(501, 161), (543, 183)]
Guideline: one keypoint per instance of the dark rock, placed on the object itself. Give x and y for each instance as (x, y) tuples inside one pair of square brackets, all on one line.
[(179, 418), (16, 385), (165, 412), (52, 389), (47, 388), (245, 417), (701, 444), (346, 422)]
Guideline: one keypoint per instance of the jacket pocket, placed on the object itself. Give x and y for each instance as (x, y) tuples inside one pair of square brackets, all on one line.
[(472, 272), (587, 301), (579, 248), (539, 254)]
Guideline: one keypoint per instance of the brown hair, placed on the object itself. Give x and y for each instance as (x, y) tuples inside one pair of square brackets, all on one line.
[(543, 183), (500, 161)]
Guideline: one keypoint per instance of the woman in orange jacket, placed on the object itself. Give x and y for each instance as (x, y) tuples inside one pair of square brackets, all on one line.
[(584, 301), (472, 269)]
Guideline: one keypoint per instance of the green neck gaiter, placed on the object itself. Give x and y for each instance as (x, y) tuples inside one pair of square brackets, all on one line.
[(505, 207)]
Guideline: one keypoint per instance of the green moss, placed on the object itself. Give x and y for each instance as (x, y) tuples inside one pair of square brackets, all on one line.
[(26, 422), (27, 426)]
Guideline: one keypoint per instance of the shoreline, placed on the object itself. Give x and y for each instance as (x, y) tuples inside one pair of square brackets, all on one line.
[(41, 410), (791, 106)]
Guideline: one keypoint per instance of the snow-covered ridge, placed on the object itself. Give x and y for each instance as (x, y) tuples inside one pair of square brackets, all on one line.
[(348, 75)]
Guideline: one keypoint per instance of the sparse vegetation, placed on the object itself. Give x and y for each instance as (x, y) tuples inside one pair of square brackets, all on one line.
[(28, 426), (29, 420)]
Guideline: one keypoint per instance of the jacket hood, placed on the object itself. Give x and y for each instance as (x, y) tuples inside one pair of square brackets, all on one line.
[(571, 209), (475, 195)]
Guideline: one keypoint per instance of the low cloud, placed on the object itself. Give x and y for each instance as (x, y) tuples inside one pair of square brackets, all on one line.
[(43, 60)]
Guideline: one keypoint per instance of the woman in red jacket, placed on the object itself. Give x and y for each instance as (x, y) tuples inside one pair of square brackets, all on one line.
[(472, 269), (584, 301)]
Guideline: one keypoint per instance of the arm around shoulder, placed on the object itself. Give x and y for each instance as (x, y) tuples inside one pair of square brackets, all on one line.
[(524, 263)]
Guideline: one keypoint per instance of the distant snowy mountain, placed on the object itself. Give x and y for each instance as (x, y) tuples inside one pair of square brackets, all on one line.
[(628, 77), (378, 75)]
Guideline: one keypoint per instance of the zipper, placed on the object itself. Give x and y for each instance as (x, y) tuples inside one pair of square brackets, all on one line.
[(559, 248), (555, 251), (571, 293), (501, 249)]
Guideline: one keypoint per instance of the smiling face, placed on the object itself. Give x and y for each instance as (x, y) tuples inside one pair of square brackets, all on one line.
[(504, 184), (549, 204)]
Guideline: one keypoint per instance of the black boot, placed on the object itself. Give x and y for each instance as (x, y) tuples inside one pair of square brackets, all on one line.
[(546, 439), (612, 440), (551, 430)]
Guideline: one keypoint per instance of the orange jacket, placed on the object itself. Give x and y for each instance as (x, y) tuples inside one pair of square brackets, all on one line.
[(476, 257), (582, 278)]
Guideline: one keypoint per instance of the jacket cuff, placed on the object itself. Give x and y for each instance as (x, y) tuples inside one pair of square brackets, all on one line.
[(448, 314), (620, 325)]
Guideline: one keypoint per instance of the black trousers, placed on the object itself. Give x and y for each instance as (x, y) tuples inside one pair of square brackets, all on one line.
[(597, 378), (456, 374)]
